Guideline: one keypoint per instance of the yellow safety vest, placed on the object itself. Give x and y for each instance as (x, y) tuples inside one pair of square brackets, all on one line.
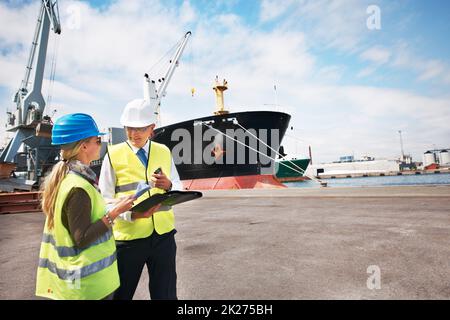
[(129, 171), (68, 272)]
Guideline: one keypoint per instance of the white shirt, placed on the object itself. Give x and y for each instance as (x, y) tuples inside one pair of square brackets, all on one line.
[(107, 180)]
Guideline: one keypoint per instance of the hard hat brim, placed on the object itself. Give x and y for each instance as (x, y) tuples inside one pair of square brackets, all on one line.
[(136, 124), (61, 141)]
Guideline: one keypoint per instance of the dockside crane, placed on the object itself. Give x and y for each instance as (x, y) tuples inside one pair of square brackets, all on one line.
[(27, 121)]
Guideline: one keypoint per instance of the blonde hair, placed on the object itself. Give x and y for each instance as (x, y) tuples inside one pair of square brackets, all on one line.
[(52, 182)]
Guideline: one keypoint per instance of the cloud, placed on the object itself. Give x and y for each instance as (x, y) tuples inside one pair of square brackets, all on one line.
[(330, 73), (366, 72), (405, 58), (432, 69), (377, 55), (339, 25), (12, 32), (187, 12), (272, 9), (12, 72)]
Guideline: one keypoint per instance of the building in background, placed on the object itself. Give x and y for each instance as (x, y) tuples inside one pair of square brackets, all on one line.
[(436, 158), (349, 166)]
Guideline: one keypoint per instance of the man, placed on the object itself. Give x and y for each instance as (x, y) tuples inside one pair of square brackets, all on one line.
[(142, 238)]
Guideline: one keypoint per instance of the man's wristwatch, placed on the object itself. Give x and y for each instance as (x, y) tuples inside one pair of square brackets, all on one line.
[(170, 188)]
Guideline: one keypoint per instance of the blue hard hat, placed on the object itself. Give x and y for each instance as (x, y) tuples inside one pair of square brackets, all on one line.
[(74, 127)]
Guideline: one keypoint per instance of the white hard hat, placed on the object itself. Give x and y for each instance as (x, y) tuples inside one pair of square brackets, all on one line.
[(138, 113)]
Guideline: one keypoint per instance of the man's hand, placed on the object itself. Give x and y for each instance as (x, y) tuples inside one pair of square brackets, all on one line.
[(161, 181), (146, 214)]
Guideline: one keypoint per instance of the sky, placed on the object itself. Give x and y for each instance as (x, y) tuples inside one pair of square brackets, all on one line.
[(351, 73)]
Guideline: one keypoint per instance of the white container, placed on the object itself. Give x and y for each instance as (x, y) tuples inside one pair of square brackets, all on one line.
[(428, 158), (444, 157)]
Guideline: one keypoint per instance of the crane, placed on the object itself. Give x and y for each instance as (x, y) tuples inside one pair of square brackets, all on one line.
[(155, 95), (30, 104)]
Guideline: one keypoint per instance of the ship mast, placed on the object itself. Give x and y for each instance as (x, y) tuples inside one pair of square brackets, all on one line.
[(401, 145), (219, 88)]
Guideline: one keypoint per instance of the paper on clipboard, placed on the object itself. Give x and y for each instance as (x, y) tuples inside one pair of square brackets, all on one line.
[(142, 188)]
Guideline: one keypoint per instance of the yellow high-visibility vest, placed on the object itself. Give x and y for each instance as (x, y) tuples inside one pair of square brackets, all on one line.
[(129, 171), (68, 272)]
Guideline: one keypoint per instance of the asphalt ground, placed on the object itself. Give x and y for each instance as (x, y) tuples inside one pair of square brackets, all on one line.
[(324, 243)]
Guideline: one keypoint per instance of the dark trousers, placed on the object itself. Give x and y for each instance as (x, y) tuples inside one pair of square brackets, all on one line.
[(158, 252)]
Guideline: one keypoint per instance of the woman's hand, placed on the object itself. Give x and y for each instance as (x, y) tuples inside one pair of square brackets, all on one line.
[(122, 205)]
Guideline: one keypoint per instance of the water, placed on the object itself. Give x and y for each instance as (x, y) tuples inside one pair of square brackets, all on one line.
[(404, 180)]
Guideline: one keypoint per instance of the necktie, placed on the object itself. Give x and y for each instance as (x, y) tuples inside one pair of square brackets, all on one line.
[(141, 155)]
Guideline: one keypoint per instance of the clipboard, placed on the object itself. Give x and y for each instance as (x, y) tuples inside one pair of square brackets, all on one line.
[(170, 198)]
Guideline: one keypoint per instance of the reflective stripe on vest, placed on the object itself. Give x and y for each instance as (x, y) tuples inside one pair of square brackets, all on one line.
[(127, 187), (129, 171), (68, 272), (74, 274), (71, 251)]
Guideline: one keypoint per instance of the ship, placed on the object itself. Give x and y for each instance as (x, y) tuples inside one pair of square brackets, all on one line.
[(291, 170), (225, 150)]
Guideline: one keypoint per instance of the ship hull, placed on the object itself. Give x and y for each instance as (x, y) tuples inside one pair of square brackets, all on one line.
[(291, 170), (228, 145)]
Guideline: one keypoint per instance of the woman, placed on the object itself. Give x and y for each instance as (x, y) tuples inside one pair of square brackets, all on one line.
[(78, 253)]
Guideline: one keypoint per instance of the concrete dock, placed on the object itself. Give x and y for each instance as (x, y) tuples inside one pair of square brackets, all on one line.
[(324, 243)]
